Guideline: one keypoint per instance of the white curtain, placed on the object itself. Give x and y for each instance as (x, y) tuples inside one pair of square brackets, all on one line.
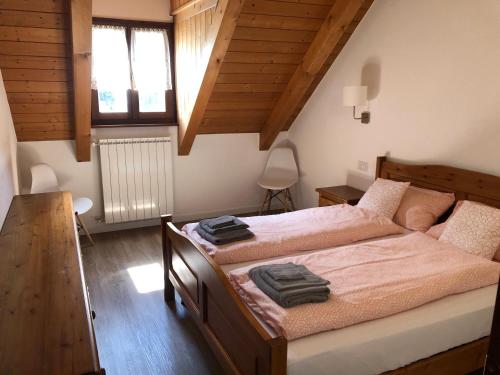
[(150, 60), (110, 61)]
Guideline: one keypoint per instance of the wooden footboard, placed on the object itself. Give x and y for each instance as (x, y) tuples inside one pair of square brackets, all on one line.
[(238, 340)]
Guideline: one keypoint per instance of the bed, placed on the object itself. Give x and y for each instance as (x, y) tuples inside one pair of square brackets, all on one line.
[(244, 345)]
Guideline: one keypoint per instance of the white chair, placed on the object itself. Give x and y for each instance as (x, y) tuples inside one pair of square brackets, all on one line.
[(280, 174), (44, 180)]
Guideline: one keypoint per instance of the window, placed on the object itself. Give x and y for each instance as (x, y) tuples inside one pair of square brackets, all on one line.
[(132, 73)]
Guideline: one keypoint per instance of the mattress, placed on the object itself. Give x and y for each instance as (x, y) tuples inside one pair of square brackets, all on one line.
[(395, 341)]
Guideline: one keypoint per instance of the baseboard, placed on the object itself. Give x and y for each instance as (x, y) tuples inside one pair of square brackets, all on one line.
[(103, 227), (177, 217)]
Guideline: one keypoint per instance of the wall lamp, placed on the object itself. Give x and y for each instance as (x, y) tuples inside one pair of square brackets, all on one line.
[(356, 96)]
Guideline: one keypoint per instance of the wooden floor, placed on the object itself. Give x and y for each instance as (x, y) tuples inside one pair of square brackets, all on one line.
[(138, 333)]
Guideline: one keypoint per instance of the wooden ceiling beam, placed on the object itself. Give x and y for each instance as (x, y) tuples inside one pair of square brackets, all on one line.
[(222, 29), (338, 20), (81, 35)]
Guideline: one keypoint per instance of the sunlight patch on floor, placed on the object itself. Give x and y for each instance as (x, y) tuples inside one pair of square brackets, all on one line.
[(147, 278)]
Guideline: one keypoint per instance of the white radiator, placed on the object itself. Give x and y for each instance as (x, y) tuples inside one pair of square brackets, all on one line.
[(136, 178)]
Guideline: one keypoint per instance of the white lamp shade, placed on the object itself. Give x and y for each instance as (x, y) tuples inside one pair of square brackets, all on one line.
[(355, 96)]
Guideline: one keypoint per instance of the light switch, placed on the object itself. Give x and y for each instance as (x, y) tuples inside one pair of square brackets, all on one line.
[(363, 165)]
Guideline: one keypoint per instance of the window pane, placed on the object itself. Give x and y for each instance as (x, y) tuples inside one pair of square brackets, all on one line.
[(152, 101), (110, 68), (151, 68), (112, 101)]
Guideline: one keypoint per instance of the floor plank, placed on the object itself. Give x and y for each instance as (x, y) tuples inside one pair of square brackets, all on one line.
[(139, 333)]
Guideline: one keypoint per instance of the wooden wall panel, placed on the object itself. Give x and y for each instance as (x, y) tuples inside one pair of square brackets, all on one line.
[(50, 6), (35, 62), (35, 59), (287, 9), (37, 87), (192, 46), (33, 19), (202, 38), (38, 98)]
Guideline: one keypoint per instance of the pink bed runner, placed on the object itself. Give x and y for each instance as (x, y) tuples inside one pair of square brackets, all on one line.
[(371, 281), (310, 229)]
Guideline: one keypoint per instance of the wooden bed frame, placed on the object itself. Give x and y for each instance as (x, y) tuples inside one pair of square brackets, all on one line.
[(239, 341)]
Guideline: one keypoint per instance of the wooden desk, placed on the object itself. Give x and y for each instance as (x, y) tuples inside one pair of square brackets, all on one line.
[(45, 318), (329, 196)]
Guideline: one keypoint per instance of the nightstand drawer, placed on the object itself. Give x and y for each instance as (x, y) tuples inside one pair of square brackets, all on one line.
[(325, 202), (329, 196)]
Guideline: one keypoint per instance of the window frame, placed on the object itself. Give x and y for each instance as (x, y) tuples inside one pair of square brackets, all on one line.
[(134, 117)]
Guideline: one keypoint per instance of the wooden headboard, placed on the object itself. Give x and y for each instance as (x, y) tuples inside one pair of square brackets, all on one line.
[(470, 185)]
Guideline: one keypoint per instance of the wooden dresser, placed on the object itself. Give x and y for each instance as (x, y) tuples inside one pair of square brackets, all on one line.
[(45, 316)]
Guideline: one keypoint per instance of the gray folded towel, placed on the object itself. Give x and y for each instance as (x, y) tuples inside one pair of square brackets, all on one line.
[(308, 279), (225, 237), (234, 224), (221, 221), (287, 271), (310, 298), (283, 286), (303, 291)]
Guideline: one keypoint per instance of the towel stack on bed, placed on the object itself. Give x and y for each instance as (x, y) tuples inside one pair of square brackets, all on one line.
[(290, 284), (223, 230)]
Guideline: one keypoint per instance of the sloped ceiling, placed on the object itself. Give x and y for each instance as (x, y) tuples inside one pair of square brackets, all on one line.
[(262, 63)]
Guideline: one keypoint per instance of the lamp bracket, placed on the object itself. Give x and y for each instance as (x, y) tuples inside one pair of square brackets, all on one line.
[(365, 116)]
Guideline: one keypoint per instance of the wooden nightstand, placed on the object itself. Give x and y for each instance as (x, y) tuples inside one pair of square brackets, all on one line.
[(329, 196)]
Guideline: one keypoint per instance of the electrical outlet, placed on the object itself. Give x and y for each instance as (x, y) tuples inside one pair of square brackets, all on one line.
[(363, 165)]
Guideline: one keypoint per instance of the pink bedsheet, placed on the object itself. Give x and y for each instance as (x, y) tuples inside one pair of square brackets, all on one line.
[(310, 229), (370, 281)]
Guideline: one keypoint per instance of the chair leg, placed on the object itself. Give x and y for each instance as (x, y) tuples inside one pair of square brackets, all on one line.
[(264, 203), (285, 200), (290, 199), (270, 199), (85, 230)]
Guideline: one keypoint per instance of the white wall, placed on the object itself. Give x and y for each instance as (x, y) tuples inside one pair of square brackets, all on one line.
[(432, 68), (219, 176), (148, 10), (8, 162)]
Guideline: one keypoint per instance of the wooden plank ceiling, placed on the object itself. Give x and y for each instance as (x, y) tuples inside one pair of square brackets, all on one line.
[(45, 58), (35, 47), (266, 67)]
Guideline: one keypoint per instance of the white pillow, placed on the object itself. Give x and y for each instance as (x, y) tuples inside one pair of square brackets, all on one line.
[(384, 196), (474, 228)]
